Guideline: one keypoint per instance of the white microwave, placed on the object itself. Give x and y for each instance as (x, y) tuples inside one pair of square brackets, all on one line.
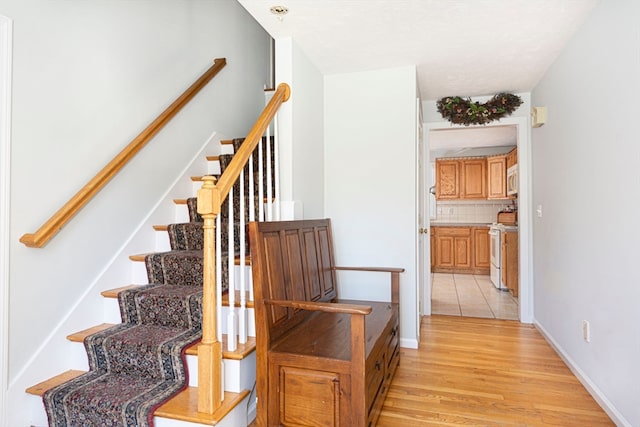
[(512, 180)]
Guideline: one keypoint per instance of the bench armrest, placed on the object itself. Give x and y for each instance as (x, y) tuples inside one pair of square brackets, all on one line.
[(329, 307), (395, 278), (374, 269)]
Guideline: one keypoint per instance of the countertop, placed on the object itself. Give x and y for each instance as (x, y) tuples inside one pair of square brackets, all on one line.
[(460, 224)]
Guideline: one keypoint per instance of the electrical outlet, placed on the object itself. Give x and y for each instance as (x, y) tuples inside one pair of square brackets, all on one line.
[(586, 331), (450, 211)]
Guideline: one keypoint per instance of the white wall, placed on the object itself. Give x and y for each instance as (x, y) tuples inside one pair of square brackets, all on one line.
[(585, 168), (370, 180), (301, 126), (87, 78), (308, 134)]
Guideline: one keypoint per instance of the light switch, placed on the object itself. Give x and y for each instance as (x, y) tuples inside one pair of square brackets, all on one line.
[(539, 210)]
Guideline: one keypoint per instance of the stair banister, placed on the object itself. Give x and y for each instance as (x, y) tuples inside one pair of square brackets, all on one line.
[(58, 220), (210, 198)]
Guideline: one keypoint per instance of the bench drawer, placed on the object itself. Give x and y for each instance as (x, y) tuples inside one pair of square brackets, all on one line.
[(375, 379)]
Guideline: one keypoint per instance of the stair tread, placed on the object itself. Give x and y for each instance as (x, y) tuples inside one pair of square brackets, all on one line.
[(139, 257), (80, 335), (225, 299), (113, 293), (161, 227), (226, 142), (213, 158), (40, 388), (242, 350), (184, 407), (180, 201)]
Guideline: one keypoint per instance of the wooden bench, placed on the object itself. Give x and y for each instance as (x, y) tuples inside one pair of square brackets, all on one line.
[(321, 361)]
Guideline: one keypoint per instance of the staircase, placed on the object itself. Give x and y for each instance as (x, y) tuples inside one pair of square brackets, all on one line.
[(181, 243)]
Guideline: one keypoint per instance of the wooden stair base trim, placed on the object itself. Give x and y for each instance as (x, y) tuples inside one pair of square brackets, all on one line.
[(40, 388), (242, 351), (113, 293), (184, 407), (81, 335)]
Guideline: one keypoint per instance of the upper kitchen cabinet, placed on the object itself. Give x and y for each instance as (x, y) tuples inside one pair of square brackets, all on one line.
[(497, 177), (512, 158), (474, 179), (447, 179), (461, 178)]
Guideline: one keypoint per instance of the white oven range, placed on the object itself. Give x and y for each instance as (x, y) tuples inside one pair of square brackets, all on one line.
[(495, 237)]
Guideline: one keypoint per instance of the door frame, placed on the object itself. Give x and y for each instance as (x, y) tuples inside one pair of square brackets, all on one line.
[(525, 229), (6, 43)]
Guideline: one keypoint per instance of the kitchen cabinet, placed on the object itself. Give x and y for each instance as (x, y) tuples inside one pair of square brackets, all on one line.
[(481, 250), (473, 179), (497, 177), (447, 179), (461, 179), (509, 264), (432, 238), (453, 247), (512, 158), (460, 250)]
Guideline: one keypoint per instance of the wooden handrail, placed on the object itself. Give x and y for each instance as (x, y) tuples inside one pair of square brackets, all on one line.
[(232, 172), (210, 198), (58, 220)]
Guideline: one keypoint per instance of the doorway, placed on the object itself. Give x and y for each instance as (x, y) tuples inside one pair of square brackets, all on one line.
[(525, 301)]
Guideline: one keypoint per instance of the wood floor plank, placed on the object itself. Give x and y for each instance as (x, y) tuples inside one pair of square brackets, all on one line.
[(485, 372)]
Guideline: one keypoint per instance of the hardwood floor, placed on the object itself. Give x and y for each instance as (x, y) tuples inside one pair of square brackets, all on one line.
[(485, 372)]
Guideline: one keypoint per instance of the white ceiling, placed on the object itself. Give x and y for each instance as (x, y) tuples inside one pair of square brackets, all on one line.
[(460, 47)]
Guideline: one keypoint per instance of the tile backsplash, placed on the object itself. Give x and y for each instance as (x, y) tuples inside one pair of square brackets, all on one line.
[(468, 211)]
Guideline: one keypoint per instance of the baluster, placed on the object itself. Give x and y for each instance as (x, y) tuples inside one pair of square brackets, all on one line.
[(260, 182), (219, 278), (242, 312), (276, 155), (231, 291), (269, 178)]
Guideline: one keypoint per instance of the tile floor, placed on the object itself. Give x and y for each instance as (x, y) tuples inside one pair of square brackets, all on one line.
[(470, 296)]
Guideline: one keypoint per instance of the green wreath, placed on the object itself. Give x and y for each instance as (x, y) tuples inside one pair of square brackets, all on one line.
[(466, 112)]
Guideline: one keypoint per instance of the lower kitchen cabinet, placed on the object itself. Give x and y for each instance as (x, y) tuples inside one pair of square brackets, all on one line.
[(460, 250), (482, 249), (509, 267)]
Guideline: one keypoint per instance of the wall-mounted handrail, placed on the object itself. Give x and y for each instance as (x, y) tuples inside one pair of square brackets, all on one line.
[(58, 220), (210, 199)]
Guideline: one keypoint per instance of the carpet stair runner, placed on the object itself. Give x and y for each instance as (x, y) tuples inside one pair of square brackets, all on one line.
[(138, 365)]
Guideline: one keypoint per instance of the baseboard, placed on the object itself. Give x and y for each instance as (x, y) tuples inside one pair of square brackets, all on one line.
[(593, 389), (408, 343)]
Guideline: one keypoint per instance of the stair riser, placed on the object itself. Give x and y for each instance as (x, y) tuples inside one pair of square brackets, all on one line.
[(239, 375)]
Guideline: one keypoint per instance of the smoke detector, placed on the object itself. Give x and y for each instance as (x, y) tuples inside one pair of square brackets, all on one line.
[(279, 11)]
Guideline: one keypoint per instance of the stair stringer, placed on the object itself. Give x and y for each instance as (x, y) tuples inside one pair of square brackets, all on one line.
[(56, 354)]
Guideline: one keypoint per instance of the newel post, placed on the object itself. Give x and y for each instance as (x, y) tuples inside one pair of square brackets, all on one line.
[(210, 350)]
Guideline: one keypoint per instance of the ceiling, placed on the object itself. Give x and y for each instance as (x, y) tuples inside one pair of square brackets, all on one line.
[(459, 47)]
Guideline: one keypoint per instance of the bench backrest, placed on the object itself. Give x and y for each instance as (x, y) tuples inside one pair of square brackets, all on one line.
[(291, 260)]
